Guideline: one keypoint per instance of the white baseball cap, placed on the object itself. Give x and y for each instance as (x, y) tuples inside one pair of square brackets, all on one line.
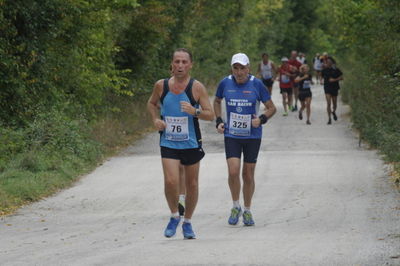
[(284, 59), (241, 59)]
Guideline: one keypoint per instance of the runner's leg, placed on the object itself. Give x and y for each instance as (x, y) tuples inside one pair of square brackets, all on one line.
[(308, 106), (296, 96), (270, 90), (234, 177), (328, 105), (192, 188), (248, 183), (284, 101), (334, 103), (303, 106), (182, 190), (171, 182)]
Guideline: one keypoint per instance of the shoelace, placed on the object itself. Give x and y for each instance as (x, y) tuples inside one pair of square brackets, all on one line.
[(234, 212), (247, 215)]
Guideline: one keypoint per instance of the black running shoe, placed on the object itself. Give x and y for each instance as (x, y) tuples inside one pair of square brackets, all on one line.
[(329, 122), (300, 116), (308, 122), (294, 109), (181, 209), (334, 116)]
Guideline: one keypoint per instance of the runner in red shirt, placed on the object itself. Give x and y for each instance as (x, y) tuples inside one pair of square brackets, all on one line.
[(285, 77), (295, 70)]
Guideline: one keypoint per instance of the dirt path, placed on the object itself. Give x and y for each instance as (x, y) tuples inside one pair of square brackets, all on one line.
[(320, 200)]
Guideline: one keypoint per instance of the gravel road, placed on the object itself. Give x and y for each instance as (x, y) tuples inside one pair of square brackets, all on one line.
[(320, 200)]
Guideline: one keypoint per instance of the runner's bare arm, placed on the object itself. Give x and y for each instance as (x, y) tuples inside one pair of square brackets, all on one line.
[(298, 78), (201, 96), (335, 79), (259, 70), (278, 72), (218, 114), (275, 71), (270, 110), (153, 105)]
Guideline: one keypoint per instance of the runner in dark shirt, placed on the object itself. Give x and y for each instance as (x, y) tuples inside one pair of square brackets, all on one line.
[(305, 80), (332, 75)]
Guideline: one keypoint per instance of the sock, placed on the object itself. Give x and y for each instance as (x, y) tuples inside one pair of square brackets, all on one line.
[(246, 209), (186, 220), (175, 215), (236, 204), (182, 198)]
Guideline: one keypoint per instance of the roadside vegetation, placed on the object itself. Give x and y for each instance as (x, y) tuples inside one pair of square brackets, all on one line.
[(75, 75)]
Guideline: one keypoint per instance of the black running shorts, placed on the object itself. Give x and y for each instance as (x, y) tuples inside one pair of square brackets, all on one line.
[(185, 156), (287, 90), (268, 82), (304, 94), (250, 148), (332, 91)]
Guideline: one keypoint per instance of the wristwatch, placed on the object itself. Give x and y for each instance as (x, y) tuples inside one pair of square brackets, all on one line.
[(197, 112)]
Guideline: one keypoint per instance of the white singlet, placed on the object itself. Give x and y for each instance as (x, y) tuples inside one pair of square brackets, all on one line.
[(266, 70)]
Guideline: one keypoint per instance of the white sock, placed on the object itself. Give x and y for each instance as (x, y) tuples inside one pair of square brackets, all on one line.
[(246, 209), (186, 220), (182, 198), (236, 204), (175, 215)]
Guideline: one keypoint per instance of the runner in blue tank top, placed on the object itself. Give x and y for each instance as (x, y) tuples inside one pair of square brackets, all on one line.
[(183, 101), (242, 129)]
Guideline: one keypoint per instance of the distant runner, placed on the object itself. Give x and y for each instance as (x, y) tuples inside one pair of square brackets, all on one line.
[(305, 80), (285, 76), (332, 75), (302, 58), (267, 71), (295, 65), (317, 63)]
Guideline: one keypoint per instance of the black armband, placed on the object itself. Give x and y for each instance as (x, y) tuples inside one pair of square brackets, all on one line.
[(219, 121), (263, 119)]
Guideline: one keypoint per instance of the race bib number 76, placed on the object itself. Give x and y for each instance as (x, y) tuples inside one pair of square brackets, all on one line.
[(177, 128)]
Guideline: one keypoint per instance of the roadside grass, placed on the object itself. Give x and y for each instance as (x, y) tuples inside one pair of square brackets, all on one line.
[(54, 151), (375, 101)]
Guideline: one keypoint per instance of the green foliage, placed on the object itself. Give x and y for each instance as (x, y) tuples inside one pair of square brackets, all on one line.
[(293, 26), (43, 157), (372, 63), (75, 74)]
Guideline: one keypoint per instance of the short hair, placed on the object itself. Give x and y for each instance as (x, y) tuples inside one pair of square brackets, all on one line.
[(185, 50), (304, 66), (333, 60), (264, 54)]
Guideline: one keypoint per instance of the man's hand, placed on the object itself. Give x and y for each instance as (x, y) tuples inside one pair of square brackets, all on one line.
[(187, 108), (221, 128), (255, 122), (159, 124)]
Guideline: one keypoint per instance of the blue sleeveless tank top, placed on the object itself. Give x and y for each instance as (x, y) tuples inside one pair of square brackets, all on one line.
[(182, 131)]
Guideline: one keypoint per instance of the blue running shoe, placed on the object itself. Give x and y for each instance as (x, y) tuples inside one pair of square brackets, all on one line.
[(188, 231), (248, 218), (235, 213), (171, 227)]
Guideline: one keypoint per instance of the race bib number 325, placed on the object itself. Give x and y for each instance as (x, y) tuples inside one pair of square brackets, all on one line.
[(177, 128), (240, 125)]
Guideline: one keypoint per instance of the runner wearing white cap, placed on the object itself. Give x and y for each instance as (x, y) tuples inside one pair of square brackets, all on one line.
[(242, 130)]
